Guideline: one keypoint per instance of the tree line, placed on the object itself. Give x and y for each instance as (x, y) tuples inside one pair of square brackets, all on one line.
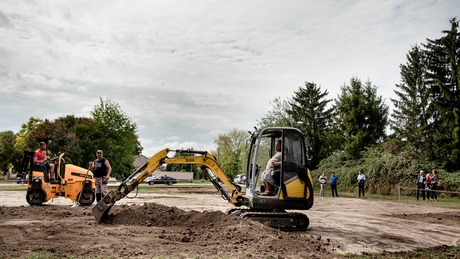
[(108, 129), (425, 122)]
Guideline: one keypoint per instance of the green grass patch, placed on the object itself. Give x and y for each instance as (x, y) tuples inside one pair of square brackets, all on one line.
[(443, 200), (16, 187)]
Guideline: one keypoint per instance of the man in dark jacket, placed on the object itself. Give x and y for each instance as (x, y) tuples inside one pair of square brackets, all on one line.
[(334, 180)]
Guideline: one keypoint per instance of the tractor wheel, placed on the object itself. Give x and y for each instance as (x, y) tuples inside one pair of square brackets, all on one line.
[(35, 196)]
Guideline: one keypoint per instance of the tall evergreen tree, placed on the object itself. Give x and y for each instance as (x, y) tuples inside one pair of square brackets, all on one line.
[(309, 109), (444, 82), (361, 115), (410, 116)]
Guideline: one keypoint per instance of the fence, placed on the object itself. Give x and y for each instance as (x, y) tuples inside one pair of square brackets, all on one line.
[(425, 190)]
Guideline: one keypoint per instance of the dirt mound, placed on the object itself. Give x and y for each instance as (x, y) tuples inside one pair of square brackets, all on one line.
[(152, 214), (214, 228), (145, 231), (191, 223)]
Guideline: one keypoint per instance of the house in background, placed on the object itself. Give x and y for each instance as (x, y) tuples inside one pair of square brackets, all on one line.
[(139, 161)]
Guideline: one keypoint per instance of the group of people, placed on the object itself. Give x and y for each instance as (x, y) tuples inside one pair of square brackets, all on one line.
[(427, 185), (334, 181), (100, 167)]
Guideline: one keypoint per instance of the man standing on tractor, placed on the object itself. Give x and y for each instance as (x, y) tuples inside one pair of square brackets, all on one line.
[(41, 161), (101, 169)]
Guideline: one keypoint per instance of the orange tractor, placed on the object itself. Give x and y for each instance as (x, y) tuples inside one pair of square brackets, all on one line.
[(69, 181)]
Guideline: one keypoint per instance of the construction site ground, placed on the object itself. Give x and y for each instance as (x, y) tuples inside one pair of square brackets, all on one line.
[(189, 222)]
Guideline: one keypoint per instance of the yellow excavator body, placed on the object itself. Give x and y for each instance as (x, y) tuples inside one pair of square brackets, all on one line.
[(293, 189)]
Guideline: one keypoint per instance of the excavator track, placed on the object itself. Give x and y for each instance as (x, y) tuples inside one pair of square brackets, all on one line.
[(282, 220)]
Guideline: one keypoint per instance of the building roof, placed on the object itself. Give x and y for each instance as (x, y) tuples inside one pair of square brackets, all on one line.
[(139, 161)]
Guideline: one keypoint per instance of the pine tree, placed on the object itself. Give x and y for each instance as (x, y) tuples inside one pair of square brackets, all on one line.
[(309, 112), (444, 82), (362, 117), (410, 118)]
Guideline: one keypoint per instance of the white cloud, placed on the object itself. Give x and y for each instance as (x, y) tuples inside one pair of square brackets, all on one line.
[(185, 71)]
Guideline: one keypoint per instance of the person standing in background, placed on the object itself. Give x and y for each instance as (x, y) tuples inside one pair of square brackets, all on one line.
[(421, 184), (322, 184), (101, 169), (334, 180), (434, 185), (428, 186), (361, 180)]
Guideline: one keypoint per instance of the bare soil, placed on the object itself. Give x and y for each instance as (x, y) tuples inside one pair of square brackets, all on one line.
[(191, 223)]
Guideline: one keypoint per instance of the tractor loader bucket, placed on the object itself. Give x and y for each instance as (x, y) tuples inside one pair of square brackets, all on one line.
[(102, 208)]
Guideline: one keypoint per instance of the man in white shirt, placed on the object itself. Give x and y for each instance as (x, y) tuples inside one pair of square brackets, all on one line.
[(322, 183), (361, 180), (267, 177), (421, 184)]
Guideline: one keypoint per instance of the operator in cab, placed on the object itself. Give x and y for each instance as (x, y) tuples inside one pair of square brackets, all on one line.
[(274, 162), (101, 169)]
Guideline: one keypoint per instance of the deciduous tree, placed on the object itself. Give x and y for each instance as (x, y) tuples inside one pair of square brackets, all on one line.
[(232, 151), (9, 155), (119, 140), (278, 116)]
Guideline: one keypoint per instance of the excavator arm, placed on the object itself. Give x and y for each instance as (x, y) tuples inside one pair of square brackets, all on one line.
[(203, 159), (208, 164)]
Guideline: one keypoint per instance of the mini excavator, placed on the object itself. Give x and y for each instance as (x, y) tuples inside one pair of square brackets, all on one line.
[(293, 190), (70, 181)]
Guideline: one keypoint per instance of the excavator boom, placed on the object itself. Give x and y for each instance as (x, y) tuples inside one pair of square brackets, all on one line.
[(201, 158)]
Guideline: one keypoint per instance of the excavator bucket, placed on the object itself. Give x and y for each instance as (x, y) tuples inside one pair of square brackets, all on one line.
[(102, 208)]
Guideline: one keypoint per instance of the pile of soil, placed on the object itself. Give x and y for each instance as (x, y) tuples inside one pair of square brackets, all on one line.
[(191, 223), (144, 231)]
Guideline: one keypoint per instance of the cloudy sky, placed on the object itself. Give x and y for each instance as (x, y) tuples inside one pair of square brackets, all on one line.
[(185, 70)]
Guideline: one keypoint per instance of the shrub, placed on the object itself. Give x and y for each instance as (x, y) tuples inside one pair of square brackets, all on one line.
[(385, 170)]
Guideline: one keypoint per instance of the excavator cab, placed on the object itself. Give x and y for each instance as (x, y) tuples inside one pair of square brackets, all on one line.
[(293, 188)]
